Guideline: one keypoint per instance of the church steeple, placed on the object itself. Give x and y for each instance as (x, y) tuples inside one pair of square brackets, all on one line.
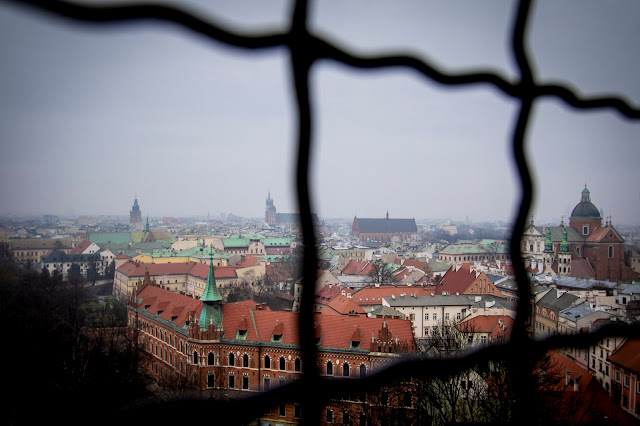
[(548, 244), (564, 245), (146, 226), (211, 309), (211, 293)]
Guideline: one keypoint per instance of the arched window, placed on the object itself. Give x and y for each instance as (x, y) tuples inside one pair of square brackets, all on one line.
[(267, 361), (363, 370), (195, 358), (530, 247), (282, 365), (329, 368), (211, 380), (296, 365), (232, 360), (345, 369), (610, 251), (245, 360)]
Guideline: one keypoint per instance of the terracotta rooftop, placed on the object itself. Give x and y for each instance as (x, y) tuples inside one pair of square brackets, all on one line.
[(335, 331), (628, 355)]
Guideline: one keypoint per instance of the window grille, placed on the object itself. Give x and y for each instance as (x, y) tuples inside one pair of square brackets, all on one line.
[(305, 49)]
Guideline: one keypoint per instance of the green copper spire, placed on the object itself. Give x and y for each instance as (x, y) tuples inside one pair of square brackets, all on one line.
[(211, 293), (211, 309), (146, 226), (564, 245), (548, 245)]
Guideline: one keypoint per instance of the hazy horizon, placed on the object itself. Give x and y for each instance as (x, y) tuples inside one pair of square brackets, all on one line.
[(92, 116)]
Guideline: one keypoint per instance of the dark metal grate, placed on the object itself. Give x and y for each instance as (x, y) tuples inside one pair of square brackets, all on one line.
[(305, 49)]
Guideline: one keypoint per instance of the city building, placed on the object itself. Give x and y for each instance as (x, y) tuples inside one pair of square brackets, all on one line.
[(237, 350), (372, 229), (287, 221), (32, 250), (625, 387), (584, 249)]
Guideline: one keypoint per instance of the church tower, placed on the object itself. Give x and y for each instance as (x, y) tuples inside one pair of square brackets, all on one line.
[(270, 212), (135, 215)]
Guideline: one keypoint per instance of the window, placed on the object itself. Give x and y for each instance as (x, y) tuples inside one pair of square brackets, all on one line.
[(618, 376), (435, 316), (267, 361), (626, 380), (195, 356), (329, 369), (297, 411), (297, 365), (282, 363), (245, 382), (345, 418), (345, 370), (585, 229), (245, 360), (446, 316), (426, 317), (282, 410), (363, 370), (211, 380), (211, 359), (267, 384), (231, 359), (232, 381), (329, 415), (610, 251)]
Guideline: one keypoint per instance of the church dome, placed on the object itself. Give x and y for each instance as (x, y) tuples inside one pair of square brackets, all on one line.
[(585, 208)]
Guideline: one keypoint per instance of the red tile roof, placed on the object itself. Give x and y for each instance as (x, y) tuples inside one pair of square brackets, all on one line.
[(80, 248), (628, 355), (459, 280), (342, 305), (498, 326), (357, 267), (197, 269), (374, 295), (249, 261), (335, 331)]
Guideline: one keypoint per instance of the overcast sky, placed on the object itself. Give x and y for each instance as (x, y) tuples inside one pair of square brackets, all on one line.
[(91, 117)]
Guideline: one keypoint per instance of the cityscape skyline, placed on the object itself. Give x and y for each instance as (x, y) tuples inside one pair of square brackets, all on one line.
[(152, 111)]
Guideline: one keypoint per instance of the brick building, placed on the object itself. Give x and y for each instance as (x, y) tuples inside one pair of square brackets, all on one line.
[(238, 349), (584, 249), (367, 229)]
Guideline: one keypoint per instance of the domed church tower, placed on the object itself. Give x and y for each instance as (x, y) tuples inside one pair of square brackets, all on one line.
[(585, 217)]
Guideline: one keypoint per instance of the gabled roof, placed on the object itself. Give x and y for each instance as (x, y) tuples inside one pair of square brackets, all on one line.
[(80, 248), (374, 295), (342, 305), (459, 280), (335, 331), (601, 233), (555, 303), (628, 355), (581, 268), (357, 267), (498, 326), (385, 225)]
